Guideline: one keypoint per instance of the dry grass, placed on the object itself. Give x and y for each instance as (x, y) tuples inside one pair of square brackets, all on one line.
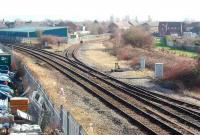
[(99, 57), (32, 41), (95, 54), (140, 74), (133, 74), (173, 65), (179, 69), (52, 83), (51, 39), (56, 48), (194, 94), (44, 75)]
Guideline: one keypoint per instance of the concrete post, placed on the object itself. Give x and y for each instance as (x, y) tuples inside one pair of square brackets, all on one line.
[(91, 130), (61, 117), (80, 127), (67, 123), (159, 70), (142, 63), (45, 44)]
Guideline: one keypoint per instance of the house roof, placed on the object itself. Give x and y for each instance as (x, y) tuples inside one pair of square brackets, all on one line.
[(123, 24), (171, 24), (192, 24), (153, 24), (134, 23)]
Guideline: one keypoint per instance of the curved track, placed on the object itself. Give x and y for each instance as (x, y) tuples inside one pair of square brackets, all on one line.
[(148, 111)]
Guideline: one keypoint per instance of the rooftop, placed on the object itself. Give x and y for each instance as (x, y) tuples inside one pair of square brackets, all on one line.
[(29, 29), (123, 24)]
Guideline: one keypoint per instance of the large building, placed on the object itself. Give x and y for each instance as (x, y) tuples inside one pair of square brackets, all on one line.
[(168, 28), (21, 33)]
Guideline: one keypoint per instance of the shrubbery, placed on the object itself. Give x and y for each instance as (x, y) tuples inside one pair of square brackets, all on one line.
[(198, 65), (197, 42), (125, 53), (50, 39), (167, 37), (173, 72), (137, 37), (136, 43)]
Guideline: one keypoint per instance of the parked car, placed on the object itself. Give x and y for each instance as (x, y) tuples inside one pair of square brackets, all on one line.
[(5, 88), (4, 69), (4, 95)]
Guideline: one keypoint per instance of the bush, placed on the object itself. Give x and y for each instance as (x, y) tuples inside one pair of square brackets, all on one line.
[(186, 73), (125, 53), (137, 37), (169, 38), (197, 42), (39, 33), (134, 61), (198, 66), (174, 72), (50, 39)]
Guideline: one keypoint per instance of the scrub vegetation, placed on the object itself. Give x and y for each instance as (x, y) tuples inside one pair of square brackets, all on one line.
[(48, 38), (179, 65), (137, 37), (160, 44)]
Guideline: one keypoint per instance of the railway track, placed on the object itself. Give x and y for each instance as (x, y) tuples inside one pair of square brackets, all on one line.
[(185, 106), (72, 55), (148, 112), (173, 108)]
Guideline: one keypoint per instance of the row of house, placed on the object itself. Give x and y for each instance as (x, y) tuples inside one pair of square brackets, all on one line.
[(178, 28), (172, 28), (161, 28)]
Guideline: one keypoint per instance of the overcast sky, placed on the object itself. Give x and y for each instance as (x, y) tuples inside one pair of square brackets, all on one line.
[(76, 10)]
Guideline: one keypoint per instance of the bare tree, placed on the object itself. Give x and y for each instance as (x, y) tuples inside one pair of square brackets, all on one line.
[(39, 33), (137, 37), (96, 27), (51, 39), (198, 65)]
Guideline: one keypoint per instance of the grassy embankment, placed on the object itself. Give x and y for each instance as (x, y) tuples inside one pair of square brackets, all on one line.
[(160, 44)]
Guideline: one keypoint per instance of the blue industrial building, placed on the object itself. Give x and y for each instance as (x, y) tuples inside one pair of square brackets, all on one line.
[(20, 33)]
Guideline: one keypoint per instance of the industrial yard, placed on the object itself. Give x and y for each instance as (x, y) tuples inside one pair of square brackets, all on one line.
[(15, 109), (22, 109)]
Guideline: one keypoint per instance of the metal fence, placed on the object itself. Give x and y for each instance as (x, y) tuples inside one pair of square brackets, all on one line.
[(87, 38), (48, 115), (188, 47)]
